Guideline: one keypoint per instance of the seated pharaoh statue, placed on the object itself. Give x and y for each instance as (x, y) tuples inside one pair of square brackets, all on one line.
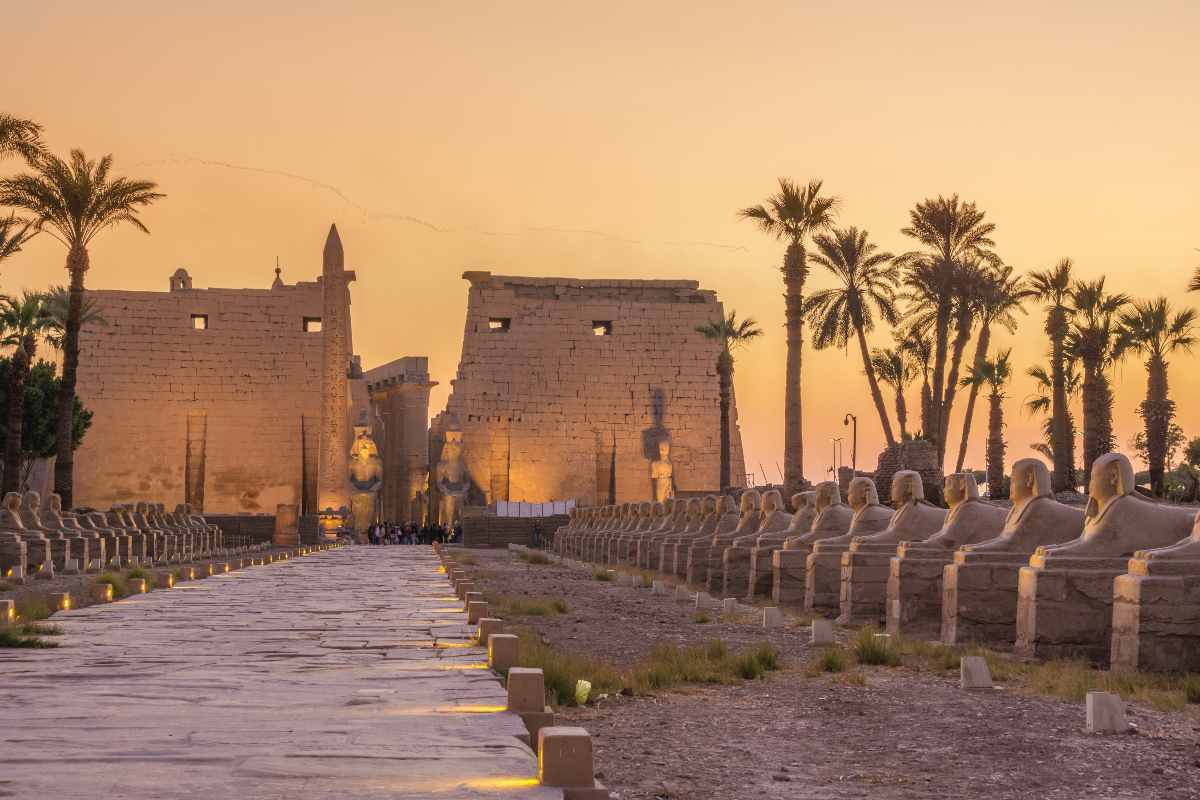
[(704, 552), (648, 547), (867, 562), (914, 587), (735, 560), (661, 558), (759, 584), (721, 519), (1156, 609), (1065, 595), (823, 576), (789, 564), (979, 587), (39, 559)]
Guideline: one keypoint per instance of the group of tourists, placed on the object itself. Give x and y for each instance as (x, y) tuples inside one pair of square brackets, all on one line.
[(411, 533)]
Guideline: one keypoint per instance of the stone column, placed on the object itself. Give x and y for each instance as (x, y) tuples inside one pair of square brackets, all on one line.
[(334, 441), (403, 403)]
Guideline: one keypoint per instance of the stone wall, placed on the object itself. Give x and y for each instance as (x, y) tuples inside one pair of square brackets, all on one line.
[(486, 530), (400, 427), (207, 396), (258, 527), (916, 454), (565, 386)]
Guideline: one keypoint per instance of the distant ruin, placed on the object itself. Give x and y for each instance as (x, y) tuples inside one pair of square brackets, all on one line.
[(566, 387)]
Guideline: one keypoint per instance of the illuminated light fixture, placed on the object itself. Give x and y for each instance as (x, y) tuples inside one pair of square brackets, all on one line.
[(472, 709), (8, 610), (449, 645), (467, 665), (502, 783)]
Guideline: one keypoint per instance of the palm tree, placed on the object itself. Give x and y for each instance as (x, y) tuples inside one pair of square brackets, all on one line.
[(917, 348), (20, 137), (1043, 403), (1151, 329), (1053, 287), (867, 279), (14, 233), (996, 374), (1194, 283), (999, 295), (23, 321), (892, 368), (794, 213), (732, 334), (73, 201), (57, 303), (1094, 341), (954, 238)]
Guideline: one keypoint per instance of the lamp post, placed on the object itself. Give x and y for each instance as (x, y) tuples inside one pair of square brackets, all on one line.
[(837, 460), (853, 441)]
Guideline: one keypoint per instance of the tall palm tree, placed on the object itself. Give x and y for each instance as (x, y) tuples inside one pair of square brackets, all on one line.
[(794, 213), (1151, 329), (1043, 403), (867, 280), (916, 345), (20, 137), (57, 302), (74, 201), (14, 233), (1094, 340), (996, 374), (892, 368), (23, 321), (731, 333), (953, 234), (999, 295), (1053, 288)]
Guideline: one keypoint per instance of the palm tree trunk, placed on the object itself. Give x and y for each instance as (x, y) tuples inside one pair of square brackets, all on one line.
[(961, 337), (18, 372), (794, 269), (995, 447), (901, 413), (725, 376), (1093, 413), (1157, 412), (1062, 434), (872, 382), (941, 343), (64, 464), (981, 348), (927, 409)]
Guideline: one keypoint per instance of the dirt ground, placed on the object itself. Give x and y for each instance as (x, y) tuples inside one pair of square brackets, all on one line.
[(905, 734)]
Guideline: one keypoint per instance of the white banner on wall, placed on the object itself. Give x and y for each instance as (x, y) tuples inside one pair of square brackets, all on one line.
[(516, 508)]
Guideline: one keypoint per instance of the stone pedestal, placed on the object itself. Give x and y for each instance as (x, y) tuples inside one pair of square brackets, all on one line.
[(788, 570), (823, 578), (979, 598), (914, 592), (864, 579), (735, 572), (696, 569), (1067, 612), (1156, 617)]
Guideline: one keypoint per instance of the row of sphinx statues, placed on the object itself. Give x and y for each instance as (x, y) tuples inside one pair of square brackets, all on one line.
[(1116, 582), (37, 540)]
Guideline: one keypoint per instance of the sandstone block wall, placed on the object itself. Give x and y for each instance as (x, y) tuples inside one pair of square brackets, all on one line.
[(399, 393), (225, 417), (550, 410)]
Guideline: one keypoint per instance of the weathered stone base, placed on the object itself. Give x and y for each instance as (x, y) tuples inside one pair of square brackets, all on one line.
[(1156, 622), (823, 583), (696, 568), (788, 568), (979, 599), (761, 581), (914, 595), (863, 591), (735, 572), (1067, 613), (715, 582)]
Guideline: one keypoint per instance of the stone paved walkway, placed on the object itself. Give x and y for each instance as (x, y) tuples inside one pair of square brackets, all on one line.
[(347, 674)]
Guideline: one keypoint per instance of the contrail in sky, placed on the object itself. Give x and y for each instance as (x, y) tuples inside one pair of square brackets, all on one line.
[(417, 220)]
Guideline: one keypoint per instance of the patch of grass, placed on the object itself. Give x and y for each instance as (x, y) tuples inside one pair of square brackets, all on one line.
[(701, 618), (138, 572), (13, 637), (177, 574), (874, 651), (603, 576), (832, 659), (1191, 689), (33, 610), (37, 629), (936, 656), (534, 558), (559, 606), (562, 671), (117, 582), (855, 678), (508, 607)]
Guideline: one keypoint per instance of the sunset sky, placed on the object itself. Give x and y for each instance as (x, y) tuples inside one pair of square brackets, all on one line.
[(618, 140)]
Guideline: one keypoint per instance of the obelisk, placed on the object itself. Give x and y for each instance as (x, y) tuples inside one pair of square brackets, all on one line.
[(333, 468)]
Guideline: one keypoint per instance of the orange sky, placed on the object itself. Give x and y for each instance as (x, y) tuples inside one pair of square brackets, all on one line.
[(556, 138)]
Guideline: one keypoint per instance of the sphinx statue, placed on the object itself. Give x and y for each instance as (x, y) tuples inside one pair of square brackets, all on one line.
[(641, 518), (789, 564), (624, 518), (979, 587), (761, 578), (1156, 627), (648, 547), (366, 478), (703, 554), (623, 549), (734, 575), (823, 573), (867, 562), (1065, 594), (14, 552), (574, 520), (65, 560), (39, 558), (914, 586), (92, 546), (662, 473), (697, 511), (451, 479)]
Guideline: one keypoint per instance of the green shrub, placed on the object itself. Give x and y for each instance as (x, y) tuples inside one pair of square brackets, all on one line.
[(1191, 689), (12, 637), (701, 618), (120, 587), (875, 651), (832, 660), (603, 575)]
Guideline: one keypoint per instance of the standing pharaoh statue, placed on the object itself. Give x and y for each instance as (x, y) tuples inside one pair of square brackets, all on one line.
[(662, 473), (452, 480), (366, 477)]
